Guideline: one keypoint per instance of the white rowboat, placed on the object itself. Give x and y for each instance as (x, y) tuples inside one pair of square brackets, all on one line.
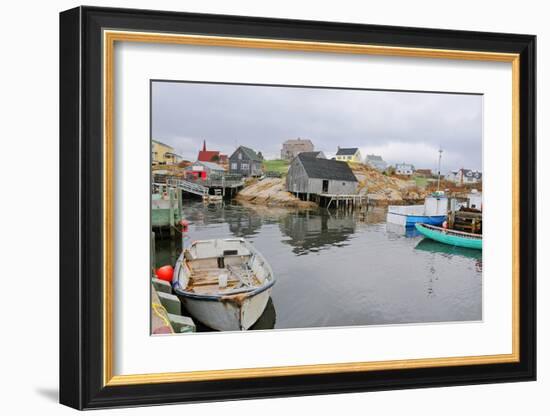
[(223, 283)]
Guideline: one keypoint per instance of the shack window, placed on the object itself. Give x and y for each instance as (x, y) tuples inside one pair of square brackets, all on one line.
[(325, 185)]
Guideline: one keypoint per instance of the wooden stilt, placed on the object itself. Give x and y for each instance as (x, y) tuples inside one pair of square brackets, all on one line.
[(171, 220)]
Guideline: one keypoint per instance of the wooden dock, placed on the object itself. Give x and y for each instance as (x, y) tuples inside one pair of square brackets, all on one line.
[(346, 202), (166, 207), (214, 186)]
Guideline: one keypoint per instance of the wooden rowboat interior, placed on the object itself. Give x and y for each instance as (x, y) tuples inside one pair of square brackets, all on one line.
[(222, 269)]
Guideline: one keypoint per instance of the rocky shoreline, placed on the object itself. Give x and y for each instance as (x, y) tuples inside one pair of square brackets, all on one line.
[(381, 190), (271, 192)]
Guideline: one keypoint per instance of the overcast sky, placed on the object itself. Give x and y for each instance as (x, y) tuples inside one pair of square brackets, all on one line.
[(399, 126)]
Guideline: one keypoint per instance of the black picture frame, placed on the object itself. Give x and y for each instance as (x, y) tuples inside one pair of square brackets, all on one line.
[(81, 201)]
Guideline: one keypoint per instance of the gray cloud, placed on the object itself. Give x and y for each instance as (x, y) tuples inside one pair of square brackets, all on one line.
[(400, 126)]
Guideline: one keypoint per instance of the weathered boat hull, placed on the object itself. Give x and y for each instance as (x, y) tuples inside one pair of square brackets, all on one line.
[(233, 313), (424, 219), (452, 238), (227, 307), (405, 220)]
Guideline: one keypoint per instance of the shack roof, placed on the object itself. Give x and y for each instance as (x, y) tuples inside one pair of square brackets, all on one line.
[(207, 165), (424, 171), (208, 155), (346, 151), (326, 169), (161, 143), (468, 173), (471, 173), (249, 153), (312, 154)]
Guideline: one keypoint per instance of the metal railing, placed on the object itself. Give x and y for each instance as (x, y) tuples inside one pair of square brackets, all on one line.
[(191, 187), (232, 181)]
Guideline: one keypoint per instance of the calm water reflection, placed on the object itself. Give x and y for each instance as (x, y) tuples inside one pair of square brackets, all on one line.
[(336, 269)]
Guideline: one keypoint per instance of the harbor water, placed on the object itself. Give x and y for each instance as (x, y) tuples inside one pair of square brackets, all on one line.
[(343, 268)]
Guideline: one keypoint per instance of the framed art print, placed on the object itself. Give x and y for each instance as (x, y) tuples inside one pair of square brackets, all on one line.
[(259, 207)]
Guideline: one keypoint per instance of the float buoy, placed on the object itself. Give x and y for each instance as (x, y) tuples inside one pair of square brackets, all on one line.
[(165, 273), (184, 225)]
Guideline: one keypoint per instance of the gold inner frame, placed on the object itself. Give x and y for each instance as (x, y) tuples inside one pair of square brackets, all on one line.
[(112, 36)]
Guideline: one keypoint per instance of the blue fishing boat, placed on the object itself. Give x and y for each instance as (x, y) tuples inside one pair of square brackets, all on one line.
[(451, 237), (433, 212)]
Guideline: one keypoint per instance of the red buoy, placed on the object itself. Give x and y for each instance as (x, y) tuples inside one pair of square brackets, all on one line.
[(165, 273), (184, 225)]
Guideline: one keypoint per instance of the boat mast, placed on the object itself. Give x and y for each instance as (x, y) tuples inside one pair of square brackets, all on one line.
[(439, 168)]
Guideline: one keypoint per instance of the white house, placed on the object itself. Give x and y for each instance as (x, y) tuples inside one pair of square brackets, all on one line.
[(465, 176), (348, 154), (404, 169)]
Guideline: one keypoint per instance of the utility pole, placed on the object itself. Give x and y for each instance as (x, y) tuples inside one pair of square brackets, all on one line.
[(439, 168)]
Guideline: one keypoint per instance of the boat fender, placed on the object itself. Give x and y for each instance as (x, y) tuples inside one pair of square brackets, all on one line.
[(445, 225), (165, 273), (184, 226)]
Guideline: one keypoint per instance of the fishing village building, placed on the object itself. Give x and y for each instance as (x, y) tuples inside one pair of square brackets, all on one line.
[(318, 154), (376, 162), (349, 154), (203, 170), (246, 162), (465, 176), (291, 148), (210, 155), (424, 173), (405, 169), (163, 154), (308, 175)]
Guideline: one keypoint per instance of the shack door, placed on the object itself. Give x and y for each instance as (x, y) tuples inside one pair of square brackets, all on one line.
[(325, 186)]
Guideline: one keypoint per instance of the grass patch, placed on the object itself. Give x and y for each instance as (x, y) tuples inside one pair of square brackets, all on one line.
[(277, 165), (421, 182)]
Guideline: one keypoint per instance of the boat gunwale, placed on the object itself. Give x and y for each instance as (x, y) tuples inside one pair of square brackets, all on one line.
[(451, 232), (415, 215), (268, 283), (220, 297)]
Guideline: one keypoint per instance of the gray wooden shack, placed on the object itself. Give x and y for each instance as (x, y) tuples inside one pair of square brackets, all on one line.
[(246, 162), (309, 175)]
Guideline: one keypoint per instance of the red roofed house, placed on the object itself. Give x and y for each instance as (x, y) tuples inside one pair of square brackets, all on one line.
[(210, 155)]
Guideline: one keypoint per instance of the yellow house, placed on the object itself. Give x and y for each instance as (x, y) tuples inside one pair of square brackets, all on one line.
[(162, 154), (349, 154)]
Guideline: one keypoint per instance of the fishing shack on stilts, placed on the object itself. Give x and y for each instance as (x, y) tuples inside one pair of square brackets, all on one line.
[(330, 183)]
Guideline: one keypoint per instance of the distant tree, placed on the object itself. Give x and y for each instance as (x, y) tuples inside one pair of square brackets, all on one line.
[(215, 158), (260, 156)]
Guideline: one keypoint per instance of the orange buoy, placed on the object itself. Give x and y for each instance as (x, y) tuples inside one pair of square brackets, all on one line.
[(165, 273)]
